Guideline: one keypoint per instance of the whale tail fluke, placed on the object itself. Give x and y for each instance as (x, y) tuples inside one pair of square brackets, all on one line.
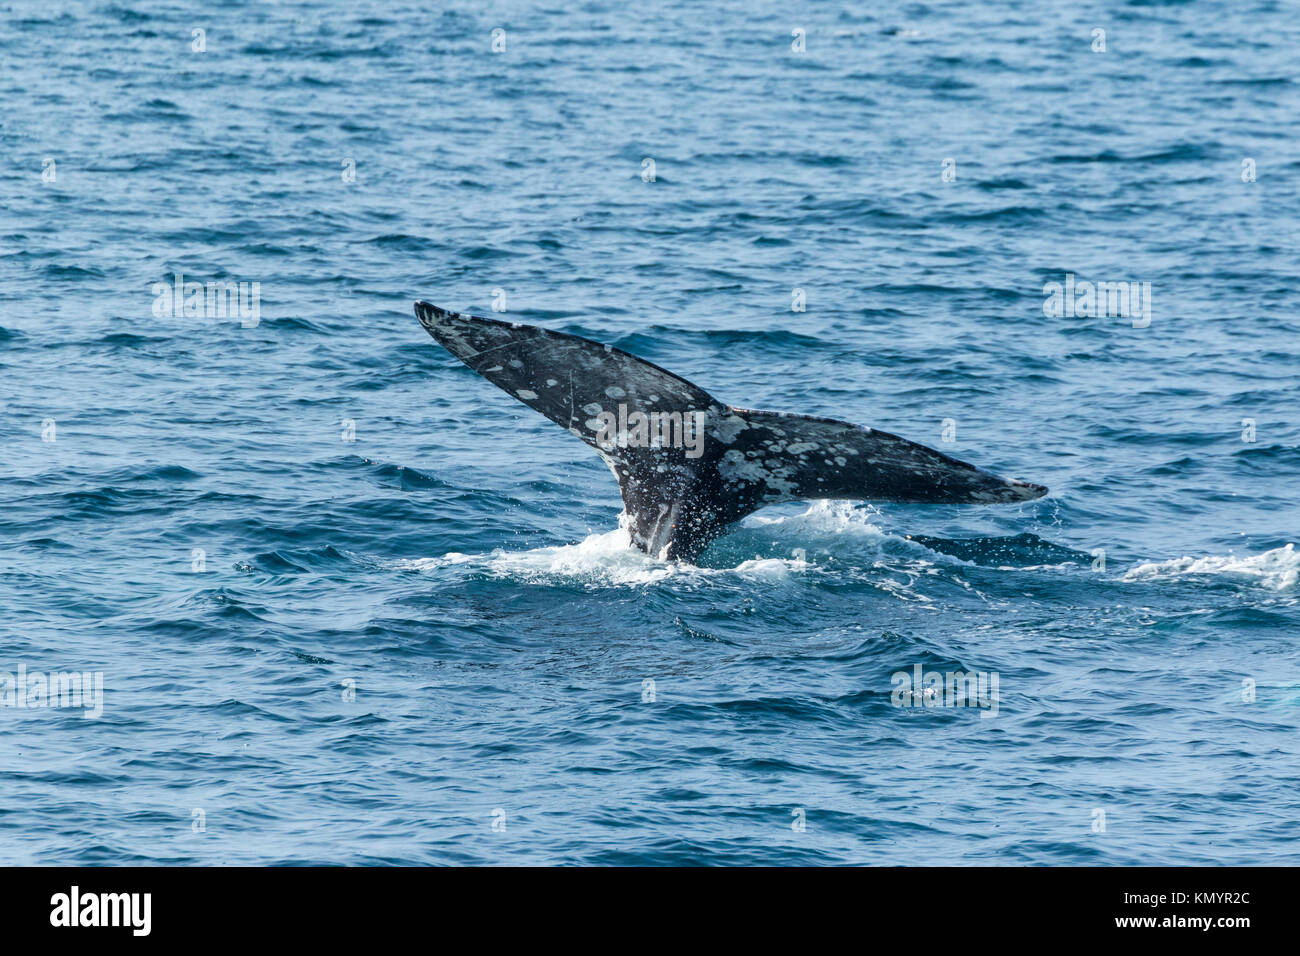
[(687, 464)]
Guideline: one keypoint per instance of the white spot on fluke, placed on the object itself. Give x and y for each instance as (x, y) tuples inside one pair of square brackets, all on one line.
[(725, 430)]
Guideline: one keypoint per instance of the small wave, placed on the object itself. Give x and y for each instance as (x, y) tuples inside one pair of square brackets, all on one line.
[(1277, 570), (72, 272), (296, 562), (402, 241), (130, 340)]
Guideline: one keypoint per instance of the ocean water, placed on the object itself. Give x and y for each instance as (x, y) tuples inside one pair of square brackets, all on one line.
[(351, 604)]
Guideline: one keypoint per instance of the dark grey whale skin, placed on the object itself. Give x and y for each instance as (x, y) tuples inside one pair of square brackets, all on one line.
[(678, 499)]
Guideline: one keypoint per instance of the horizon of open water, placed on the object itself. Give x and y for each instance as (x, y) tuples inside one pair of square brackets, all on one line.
[(429, 645)]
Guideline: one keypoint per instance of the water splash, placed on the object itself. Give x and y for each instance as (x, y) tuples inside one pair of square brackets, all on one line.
[(1277, 570)]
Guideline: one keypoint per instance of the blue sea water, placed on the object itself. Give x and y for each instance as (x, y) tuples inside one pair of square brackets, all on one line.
[(430, 645)]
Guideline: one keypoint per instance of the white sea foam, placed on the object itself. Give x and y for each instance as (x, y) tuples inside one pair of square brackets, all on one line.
[(607, 558), (1278, 569), (822, 518)]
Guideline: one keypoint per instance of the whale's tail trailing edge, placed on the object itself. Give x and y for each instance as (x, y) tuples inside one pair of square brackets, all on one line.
[(687, 464)]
